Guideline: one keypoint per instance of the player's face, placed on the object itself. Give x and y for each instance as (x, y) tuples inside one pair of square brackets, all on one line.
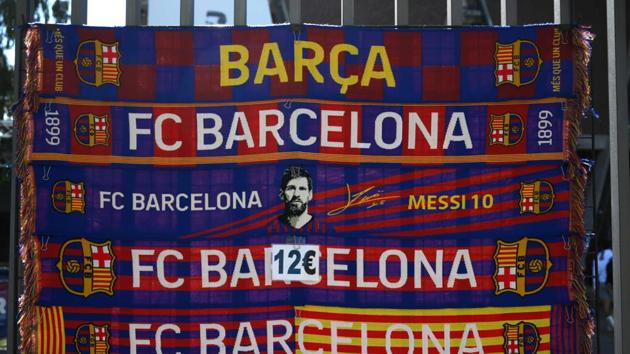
[(296, 193)]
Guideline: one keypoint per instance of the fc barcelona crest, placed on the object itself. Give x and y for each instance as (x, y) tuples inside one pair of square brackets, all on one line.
[(92, 339), (518, 63), (97, 63), (91, 130), (68, 197), (520, 338), (522, 267), (536, 197), (86, 268), (506, 129)]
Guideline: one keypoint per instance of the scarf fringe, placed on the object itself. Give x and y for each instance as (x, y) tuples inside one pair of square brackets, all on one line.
[(577, 174), (29, 247)]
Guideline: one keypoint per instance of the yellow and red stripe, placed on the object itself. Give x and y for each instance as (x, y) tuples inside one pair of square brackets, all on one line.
[(102, 278), (528, 190), (512, 332), (497, 123), (110, 72), (504, 54), (101, 348), (77, 204), (489, 323), (100, 136), (507, 255), (51, 337)]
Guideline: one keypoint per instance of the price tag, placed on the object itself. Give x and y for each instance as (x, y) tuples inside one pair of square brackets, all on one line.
[(295, 262)]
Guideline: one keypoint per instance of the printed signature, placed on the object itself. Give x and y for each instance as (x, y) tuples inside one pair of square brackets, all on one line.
[(362, 198)]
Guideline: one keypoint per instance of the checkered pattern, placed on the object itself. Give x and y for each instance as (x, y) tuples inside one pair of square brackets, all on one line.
[(506, 278), (183, 64), (76, 190), (101, 256), (100, 333)]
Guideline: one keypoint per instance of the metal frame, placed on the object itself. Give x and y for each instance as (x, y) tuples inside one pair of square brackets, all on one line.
[(562, 11), (454, 12), (23, 15), (401, 12), (486, 12), (619, 169), (295, 12), (78, 13), (240, 12), (186, 12), (347, 12), (509, 12), (133, 13)]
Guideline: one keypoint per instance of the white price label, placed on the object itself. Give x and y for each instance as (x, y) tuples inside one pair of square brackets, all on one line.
[(295, 262)]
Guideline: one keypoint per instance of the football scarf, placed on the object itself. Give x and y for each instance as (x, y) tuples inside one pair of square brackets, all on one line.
[(300, 189)]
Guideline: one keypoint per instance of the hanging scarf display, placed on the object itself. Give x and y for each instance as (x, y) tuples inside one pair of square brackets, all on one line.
[(303, 189)]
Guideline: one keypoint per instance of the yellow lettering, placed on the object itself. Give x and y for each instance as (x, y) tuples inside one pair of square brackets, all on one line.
[(264, 70), (416, 203), (455, 200), (444, 201), (238, 65), (309, 63), (431, 202), (369, 73), (334, 66)]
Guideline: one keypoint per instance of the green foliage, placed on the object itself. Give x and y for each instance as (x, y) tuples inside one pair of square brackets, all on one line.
[(41, 13), (6, 85), (7, 22)]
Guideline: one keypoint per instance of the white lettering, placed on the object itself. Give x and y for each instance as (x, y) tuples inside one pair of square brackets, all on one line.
[(427, 334), (327, 128), (388, 337), (244, 254), (134, 342), (282, 340), (335, 339), (331, 267), (239, 119), (416, 122), (472, 328), (264, 128), (238, 346), (137, 268), (382, 268), (462, 255), (134, 131), (218, 268), (457, 117), (217, 342), (293, 124), (378, 130), (215, 131), (158, 336), (160, 269), (354, 132), (159, 140), (106, 196), (420, 261), (300, 336)]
